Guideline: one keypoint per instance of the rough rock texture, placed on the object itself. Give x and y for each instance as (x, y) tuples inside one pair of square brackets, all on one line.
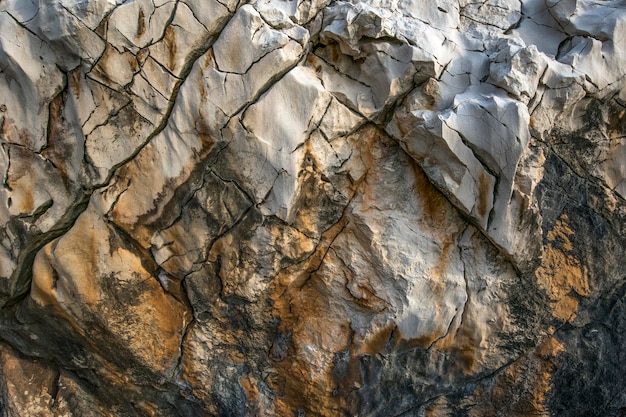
[(312, 208)]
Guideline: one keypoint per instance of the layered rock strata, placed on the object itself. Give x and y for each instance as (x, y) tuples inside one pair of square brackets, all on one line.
[(312, 208)]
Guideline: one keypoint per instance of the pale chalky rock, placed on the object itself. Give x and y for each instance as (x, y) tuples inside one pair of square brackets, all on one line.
[(312, 208), (596, 36), (517, 69)]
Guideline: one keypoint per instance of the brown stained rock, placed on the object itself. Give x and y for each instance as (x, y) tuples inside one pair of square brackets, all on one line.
[(34, 387), (114, 68), (29, 386), (521, 389), (561, 275), (33, 183), (330, 310), (148, 204), (100, 300), (326, 208)]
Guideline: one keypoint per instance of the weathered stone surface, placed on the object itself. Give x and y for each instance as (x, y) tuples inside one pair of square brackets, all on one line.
[(312, 208)]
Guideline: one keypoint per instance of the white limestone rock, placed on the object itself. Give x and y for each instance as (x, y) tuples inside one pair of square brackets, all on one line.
[(115, 69), (30, 76), (471, 153), (338, 121), (90, 12), (537, 27), (246, 26), (67, 34), (180, 252), (596, 35), (446, 159), (502, 14), (465, 73), (107, 146), (441, 14), (135, 201), (67, 26), (224, 92), (560, 89), (282, 125), (138, 24), (495, 128), (93, 102), (148, 100), (173, 53), (517, 69), (298, 11), (584, 17), (358, 63)]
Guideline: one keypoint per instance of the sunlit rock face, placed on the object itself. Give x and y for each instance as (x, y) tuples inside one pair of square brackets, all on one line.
[(312, 208)]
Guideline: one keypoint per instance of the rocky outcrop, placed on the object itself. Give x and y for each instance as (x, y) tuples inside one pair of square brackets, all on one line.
[(323, 208)]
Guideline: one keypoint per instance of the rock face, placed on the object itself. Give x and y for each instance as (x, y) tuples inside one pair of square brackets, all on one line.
[(312, 208)]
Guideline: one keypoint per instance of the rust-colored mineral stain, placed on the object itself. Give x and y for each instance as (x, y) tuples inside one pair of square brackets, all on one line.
[(561, 233), (29, 383), (561, 274), (24, 136), (312, 61), (484, 194), (436, 273), (73, 80), (297, 303), (564, 308), (301, 300), (545, 352), (304, 304), (433, 204), (616, 126), (310, 194), (56, 150), (438, 408), (529, 377), (206, 140), (377, 342), (430, 89), (43, 287), (401, 344), (25, 204), (141, 23), (101, 30), (550, 348), (136, 61), (170, 43), (251, 391), (466, 359), (21, 181), (209, 57), (335, 52)]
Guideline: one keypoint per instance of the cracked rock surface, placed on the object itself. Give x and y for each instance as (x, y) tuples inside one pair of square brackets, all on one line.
[(312, 208)]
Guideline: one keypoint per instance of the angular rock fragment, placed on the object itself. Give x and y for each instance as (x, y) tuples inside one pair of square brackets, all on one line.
[(366, 61)]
